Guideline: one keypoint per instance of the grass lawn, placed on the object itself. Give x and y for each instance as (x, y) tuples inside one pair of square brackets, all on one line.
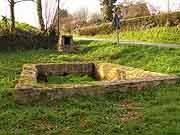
[(157, 34), (70, 79), (155, 111)]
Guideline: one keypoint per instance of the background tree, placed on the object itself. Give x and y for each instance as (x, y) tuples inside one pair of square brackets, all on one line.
[(50, 8), (12, 12), (94, 18), (81, 14), (40, 15), (62, 20), (63, 13), (107, 7), (133, 9)]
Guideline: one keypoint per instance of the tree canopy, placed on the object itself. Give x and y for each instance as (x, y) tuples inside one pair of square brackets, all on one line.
[(106, 8)]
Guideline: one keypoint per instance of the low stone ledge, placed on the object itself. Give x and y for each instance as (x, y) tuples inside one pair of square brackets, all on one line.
[(34, 94)]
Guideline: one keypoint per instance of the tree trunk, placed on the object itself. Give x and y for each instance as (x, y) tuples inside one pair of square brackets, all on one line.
[(12, 4), (39, 14)]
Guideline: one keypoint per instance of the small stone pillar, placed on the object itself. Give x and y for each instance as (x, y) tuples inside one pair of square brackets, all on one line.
[(66, 44)]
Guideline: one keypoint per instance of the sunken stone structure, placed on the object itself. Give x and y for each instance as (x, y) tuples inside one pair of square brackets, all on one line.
[(110, 78)]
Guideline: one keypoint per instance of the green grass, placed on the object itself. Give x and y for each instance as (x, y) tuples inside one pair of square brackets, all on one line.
[(155, 111), (149, 58), (157, 34), (70, 79)]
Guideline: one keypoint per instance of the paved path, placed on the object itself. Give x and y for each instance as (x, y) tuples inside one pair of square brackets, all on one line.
[(131, 42)]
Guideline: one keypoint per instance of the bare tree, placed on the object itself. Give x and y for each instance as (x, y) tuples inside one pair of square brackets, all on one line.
[(94, 18), (82, 14), (12, 4), (50, 9)]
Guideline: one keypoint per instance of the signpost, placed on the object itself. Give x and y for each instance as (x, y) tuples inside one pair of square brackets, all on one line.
[(116, 24), (117, 31), (168, 6)]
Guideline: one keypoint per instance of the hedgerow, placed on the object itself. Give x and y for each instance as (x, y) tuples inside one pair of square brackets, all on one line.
[(135, 24), (26, 37)]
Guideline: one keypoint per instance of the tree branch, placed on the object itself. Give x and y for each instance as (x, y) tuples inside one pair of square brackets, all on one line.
[(9, 1), (22, 1)]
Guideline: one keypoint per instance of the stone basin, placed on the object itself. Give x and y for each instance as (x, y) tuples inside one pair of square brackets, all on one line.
[(109, 78)]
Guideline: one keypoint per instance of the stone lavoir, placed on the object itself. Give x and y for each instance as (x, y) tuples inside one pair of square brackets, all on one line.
[(109, 78)]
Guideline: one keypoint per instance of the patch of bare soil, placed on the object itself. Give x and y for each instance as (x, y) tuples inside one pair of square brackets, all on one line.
[(132, 108)]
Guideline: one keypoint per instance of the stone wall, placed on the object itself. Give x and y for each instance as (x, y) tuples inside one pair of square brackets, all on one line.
[(61, 69), (64, 47), (28, 77), (108, 71), (106, 87)]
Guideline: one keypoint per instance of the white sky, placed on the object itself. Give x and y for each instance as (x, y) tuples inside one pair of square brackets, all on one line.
[(25, 11)]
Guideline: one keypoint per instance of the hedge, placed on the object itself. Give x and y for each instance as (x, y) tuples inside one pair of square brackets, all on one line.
[(93, 30), (135, 24), (26, 38)]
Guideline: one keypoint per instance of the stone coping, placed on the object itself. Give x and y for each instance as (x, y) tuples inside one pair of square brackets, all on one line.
[(110, 78)]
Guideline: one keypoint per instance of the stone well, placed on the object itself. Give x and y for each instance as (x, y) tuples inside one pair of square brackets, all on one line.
[(66, 44), (110, 78)]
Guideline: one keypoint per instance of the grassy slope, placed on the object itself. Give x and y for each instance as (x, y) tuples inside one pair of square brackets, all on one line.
[(156, 110), (158, 34)]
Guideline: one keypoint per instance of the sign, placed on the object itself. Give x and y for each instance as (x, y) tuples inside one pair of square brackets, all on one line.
[(116, 25)]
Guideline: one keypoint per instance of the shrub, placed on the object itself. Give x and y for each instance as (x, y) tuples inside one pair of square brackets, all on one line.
[(135, 24), (146, 22), (93, 30), (25, 38)]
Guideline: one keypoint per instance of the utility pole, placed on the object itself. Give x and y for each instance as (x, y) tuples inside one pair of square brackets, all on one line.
[(58, 9), (168, 6)]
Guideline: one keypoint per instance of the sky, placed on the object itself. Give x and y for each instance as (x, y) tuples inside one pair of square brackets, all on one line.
[(25, 11)]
